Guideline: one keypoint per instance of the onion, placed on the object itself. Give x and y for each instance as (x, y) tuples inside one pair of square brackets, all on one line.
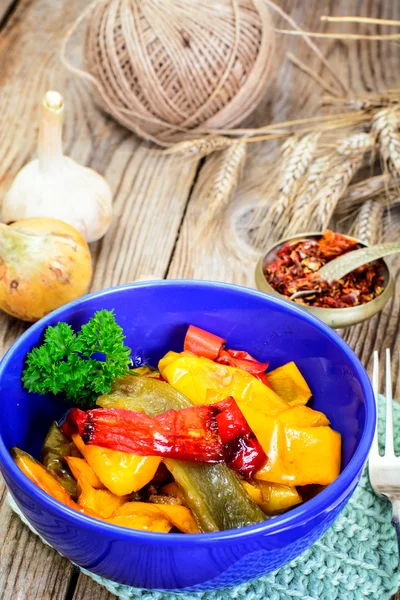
[(44, 263)]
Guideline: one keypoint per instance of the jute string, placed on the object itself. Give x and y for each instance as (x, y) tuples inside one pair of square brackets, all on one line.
[(169, 73)]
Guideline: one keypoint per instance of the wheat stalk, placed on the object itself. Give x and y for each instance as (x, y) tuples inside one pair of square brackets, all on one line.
[(385, 124), (344, 163), (368, 224)]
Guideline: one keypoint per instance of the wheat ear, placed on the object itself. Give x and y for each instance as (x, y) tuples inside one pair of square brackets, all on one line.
[(368, 225), (354, 144), (295, 167), (335, 185), (198, 148), (347, 160), (226, 177), (358, 192), (220, 187), (385, 124), (303, 206)]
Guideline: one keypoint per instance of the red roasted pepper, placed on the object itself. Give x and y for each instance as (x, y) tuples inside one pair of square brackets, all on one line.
[(188, 434), (243, 360), (204, 433), (242, 451), (202, 343), (245, 455), (231, 422)]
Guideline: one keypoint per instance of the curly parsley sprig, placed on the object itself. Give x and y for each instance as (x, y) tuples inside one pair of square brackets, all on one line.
[(69, 363)]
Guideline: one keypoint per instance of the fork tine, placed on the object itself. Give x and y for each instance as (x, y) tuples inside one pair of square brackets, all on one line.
[(374, 453), (389, 447)]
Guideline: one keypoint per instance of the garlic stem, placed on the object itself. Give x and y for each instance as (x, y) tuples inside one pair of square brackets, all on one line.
[(50, 132)]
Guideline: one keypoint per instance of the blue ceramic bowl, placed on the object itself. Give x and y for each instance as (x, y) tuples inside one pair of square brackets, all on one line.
[(154, 316)]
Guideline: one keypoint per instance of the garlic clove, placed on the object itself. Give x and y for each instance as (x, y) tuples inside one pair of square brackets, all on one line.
[(54, 185)]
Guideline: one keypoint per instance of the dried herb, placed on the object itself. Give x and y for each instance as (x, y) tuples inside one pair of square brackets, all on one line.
[(297, 265)]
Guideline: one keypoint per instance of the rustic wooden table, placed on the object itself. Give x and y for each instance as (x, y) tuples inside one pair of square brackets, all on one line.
[(157, 200)]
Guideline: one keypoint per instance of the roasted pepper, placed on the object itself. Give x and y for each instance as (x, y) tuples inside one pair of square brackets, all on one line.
[(213, 492), (120, 472), (202, 343), (102, 502), (186, 434), (175, 516), (206, 344), (298, 451), (81, 470), (136, 515), (289, 384), (303, 416), (272, 498), (204, 381), (45, 480), (55, 449), (296, 455), (242, 451)]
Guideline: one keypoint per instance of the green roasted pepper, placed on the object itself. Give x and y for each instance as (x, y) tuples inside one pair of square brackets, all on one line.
[(213, 492), (55, 448)]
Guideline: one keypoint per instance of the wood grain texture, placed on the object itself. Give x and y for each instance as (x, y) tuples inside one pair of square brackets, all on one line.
[(150, 194), (361, 66), (148, 235), (89, 590), (5, 7)]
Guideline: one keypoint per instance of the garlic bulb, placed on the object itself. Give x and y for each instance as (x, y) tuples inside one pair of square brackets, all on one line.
[(44, 263), (55, 186)]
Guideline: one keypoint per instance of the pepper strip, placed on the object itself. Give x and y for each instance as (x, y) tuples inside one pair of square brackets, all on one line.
[(203, 343), (242, 451), (189, 434)]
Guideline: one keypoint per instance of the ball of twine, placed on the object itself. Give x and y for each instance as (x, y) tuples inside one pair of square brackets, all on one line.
[(171, 70)]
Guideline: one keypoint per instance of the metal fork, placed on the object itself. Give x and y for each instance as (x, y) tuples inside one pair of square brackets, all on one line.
[(384, 470)]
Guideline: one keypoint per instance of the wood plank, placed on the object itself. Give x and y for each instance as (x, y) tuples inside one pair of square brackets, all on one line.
[(87, 589), (5, 7), (150, 196)]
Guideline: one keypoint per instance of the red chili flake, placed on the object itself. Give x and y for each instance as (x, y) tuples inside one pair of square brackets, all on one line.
[(296, 268)]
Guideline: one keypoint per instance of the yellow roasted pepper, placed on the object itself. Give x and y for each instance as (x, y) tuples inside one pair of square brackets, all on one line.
[(272, 498), (103, 502), (176, 516), (204, 382), (303, 416), (300, 446), (297, 455), (80, 469), (289, 384), (120, 472)]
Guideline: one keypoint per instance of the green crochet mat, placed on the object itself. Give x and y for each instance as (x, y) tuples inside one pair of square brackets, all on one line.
[(357, 558)]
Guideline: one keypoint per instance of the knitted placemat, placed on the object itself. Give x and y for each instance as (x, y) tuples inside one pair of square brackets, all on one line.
[(357, 558)]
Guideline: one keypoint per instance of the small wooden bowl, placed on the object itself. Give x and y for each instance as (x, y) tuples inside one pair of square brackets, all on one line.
[(334, 317)]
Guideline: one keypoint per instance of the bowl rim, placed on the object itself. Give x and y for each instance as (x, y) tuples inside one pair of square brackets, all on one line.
[(325, 500), (350, 311)]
